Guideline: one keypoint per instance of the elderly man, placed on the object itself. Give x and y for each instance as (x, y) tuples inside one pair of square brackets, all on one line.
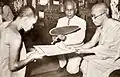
[(74, 39), (107, 51)]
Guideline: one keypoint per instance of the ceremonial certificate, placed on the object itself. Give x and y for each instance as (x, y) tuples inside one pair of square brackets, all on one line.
[(51, 50)]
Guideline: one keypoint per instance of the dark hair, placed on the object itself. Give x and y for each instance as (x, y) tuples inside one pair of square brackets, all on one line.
[(27, 11)]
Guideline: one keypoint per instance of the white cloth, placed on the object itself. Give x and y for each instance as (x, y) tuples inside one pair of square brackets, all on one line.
[(74, 39), (106, 52)]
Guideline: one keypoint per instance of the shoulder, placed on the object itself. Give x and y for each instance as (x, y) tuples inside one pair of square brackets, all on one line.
[(10, 37), (113, 22), (12, 33), (81, 20), (63, 18), (3, 25), (109, 22)]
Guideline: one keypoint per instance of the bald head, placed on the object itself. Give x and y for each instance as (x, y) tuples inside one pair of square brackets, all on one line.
[(27, 11), (99, 8), (70, 3), (99, 13), (70, 8)]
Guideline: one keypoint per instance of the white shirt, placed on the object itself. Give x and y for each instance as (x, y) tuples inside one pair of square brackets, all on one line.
[(76, 37)]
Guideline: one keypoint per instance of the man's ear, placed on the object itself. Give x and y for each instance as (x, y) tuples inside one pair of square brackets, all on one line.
[(107, 11), (36, 17), (75, 11)]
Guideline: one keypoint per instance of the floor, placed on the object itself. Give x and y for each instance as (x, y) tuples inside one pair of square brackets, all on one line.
[(48, 66), (56, 74)]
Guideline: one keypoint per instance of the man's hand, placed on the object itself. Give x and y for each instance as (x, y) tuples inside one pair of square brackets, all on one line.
[(82, 50), (61, 37), (58, 38), (34, 54)]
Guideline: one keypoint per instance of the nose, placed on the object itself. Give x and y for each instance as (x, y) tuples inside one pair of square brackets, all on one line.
[(93, 19), (69, 11)]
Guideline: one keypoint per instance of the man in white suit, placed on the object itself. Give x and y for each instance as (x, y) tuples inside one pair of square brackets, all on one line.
[(74, 39)]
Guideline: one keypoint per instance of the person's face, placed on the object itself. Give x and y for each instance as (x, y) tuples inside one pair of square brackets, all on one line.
[(69, 10), (29, 23), (98, 17)]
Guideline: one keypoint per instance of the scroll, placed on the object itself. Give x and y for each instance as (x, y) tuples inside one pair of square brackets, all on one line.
[(52, 50)]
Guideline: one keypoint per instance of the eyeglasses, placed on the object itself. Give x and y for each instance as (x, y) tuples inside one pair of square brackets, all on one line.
[(93, 16)]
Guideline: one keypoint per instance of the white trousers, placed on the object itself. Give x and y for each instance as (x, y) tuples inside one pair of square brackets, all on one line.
[(94, 67), (73, 63)]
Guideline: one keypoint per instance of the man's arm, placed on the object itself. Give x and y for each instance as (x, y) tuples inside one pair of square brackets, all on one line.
[(14, 54), (85, 48), (14, 63), (94, 40), (78, 36)]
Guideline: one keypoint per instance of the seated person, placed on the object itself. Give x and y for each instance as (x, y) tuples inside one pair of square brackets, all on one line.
[(74, 39), (107, 51)]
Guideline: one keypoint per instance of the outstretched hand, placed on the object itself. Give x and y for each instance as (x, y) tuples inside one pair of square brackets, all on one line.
[(34, 54), (80, 50)]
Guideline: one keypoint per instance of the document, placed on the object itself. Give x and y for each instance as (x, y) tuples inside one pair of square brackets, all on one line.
[(52, 50)]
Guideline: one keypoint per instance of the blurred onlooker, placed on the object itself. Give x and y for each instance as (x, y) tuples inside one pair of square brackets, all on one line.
[(6, 12), (114, 8), (118, 10)]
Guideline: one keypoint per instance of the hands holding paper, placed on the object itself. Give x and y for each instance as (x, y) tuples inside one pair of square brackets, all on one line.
[(64, 47), (34, 54), (81, 50)]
